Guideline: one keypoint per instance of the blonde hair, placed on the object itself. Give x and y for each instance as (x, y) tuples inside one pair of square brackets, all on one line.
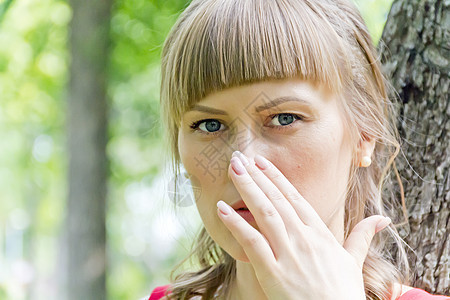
[(215, 45)]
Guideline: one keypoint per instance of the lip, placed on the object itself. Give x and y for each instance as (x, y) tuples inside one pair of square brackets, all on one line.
[(245, 214), (239, 204)]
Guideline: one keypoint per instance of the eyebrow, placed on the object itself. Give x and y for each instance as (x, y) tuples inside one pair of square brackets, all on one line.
[(259, 108)]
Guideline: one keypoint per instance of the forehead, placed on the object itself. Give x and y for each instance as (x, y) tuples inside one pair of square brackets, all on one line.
[(266, 95), (217, 45)]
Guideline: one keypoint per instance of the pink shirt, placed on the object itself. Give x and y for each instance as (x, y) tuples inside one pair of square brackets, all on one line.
[(414, 294), (419, 294), (158, 292)]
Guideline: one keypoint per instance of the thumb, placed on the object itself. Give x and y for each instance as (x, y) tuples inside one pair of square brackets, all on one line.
[(358, 242)]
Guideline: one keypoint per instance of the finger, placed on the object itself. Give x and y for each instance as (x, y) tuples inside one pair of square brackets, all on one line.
[(302, 207), (359, 240), (266, 216), (255, 245), (292, 222)]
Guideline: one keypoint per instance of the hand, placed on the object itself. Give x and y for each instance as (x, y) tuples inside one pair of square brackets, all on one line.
[(295, 255)]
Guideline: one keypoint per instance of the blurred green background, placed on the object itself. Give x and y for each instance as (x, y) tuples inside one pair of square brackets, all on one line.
[(145, 238)]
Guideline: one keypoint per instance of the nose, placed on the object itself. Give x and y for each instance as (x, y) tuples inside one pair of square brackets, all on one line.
[(248, 141)]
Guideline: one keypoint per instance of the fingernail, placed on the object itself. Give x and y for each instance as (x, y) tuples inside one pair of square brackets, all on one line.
[(241, 156), (237, 166), (383, 223), (223, 207), (261, 162)]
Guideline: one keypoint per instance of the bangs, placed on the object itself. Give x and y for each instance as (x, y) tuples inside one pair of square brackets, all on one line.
[(220, 44)]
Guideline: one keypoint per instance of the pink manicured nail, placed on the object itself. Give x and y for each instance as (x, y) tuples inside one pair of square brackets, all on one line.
[(241, 156), (223, 207), (237, 166), (382, 224), (261, 162)]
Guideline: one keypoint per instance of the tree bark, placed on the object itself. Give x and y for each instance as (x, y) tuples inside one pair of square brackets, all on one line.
[(415, 55), (87, 136)]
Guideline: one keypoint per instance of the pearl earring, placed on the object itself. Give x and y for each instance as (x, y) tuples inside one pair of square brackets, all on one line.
[(365, 161)]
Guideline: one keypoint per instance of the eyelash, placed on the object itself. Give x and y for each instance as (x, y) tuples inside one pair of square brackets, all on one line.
[(194, 125)]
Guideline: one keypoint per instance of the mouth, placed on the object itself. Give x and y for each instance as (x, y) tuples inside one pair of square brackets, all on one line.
[(242, 209), (239, 205), (246, 215)]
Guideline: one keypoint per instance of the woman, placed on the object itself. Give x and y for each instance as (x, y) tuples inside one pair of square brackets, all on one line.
[(279, 113)]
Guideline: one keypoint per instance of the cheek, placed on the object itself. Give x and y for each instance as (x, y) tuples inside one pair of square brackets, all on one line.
[(194, 157), (316, 164), (207, 167), (207, 161)]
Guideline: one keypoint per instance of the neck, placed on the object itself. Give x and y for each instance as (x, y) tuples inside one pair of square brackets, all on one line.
[(246, 285)]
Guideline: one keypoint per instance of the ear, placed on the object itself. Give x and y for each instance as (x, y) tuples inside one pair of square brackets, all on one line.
[(366, 145)]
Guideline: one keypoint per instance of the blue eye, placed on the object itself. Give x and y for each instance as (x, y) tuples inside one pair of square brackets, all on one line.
[(214, 127), (284, 119), (208, 126)]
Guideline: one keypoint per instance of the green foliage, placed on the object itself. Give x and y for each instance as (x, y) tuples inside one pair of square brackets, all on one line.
[(33, 72), (374, 13), (34, 66), (4, 7)]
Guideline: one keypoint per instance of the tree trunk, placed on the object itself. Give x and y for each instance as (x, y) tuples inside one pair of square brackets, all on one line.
[(85, 250), (416, 58)]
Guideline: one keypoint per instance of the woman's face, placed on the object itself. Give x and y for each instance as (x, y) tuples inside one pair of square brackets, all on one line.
[(295, 124)]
